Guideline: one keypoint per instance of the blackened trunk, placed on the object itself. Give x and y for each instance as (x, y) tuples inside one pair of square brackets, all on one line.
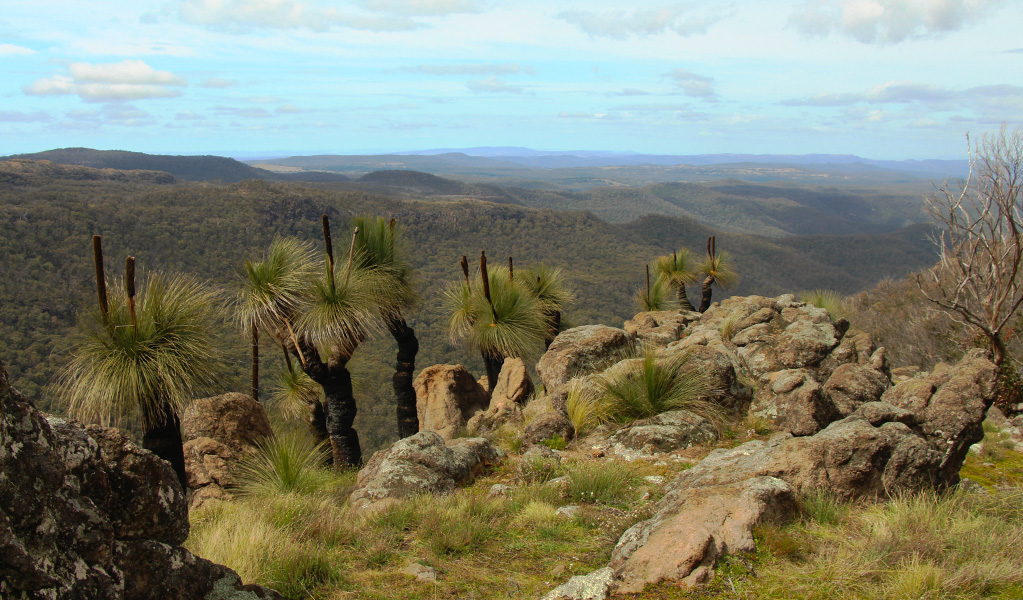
[(164, 440), (705, 301), (339, 403), (493, 364), (553, 327), (683, 299), (405, 365), (316, 420)]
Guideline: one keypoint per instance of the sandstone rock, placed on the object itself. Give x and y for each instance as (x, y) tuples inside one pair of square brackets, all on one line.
[(546, 426), (853, 384), (85, 514), (688, 534), (581, 350), (594, 586), (513, 384), (421, 572), (492, 419), (447, 396), (660, 328), (792, 399), (666, 432), (218, 433), (421, 464)]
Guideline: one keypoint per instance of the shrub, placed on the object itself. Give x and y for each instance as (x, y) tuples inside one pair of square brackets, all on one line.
[(555, 442)]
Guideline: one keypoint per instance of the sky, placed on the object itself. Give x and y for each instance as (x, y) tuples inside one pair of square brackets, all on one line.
[(884, 79)]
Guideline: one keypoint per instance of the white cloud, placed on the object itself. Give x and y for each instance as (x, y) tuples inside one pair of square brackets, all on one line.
[(289, 109), (15, 116), (493, 85), (424, 8), (683, 19), (693, 85), (12, 50), (888, 21), (243, 16), (472, 69), (108, 82)]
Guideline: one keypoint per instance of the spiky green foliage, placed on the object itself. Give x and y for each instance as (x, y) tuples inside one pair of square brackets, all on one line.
[(380, 245), (294, 392), (656, 298), (284, 463), (123, 374), (677, 269), (343, 305), (721, 269), (276, 288), (548, 286), (829, 300), (652, 385), (586, 410), (510, 323)]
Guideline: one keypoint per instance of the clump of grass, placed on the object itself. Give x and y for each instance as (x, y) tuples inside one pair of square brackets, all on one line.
[(540, 469), (829, 300), (555, 442), (727, 328), (460, 523), (654, 385), (606, 483), (823, 508), (289, 462), (537, 514), (586, 410)]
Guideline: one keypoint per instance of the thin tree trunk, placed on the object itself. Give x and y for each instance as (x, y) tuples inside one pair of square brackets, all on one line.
[(164, 440), (255, 363), (705, 301), (683, 299), (493, 364), (316, 420), (339, 402), (405, 365)]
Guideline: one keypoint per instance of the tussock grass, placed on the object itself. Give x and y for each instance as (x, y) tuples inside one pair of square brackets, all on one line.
[(289, 462), (607, 483), (829, 300), (586, 410)]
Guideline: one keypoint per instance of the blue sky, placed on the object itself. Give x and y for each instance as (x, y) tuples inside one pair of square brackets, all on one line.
[(879, 78)]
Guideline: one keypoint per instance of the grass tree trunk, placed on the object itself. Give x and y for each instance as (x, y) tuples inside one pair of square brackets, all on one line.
[(707, 291), (683, 299), (492, 363), (164, 440), (405, 365), (339, 402), (255, 363)]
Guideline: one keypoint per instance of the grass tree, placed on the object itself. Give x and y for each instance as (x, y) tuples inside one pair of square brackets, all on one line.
[(379, 244), (274, 293), (677, 271), (547, 284), (138, 359), (653, 297), (497, 316), (716, 269)]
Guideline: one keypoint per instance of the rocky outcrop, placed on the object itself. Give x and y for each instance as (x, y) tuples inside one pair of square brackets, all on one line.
[(421, 464), (581, 350), (86, 514), (916, 439), (219, 432), (793, 401), (447, 396)]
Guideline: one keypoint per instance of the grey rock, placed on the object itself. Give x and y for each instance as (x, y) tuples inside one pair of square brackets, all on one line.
[(594, 586), (666, 432), (447, 396), (546, 426), (582, 350)]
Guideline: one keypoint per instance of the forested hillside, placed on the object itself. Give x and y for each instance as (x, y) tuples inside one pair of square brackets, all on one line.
[(209, 230)]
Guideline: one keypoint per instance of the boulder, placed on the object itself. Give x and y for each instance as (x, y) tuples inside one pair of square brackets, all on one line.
[(594, 586), (582, 350), (949, 405), (854, 384), (546, 426), (421, 464), (513, 384), (666, 432), (660, 328), (447, 396), (218, 433), (792, 399), (86, 514)]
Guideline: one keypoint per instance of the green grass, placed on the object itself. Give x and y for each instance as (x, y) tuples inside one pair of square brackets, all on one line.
[(608, 483), (657, 384), (829, 300)]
